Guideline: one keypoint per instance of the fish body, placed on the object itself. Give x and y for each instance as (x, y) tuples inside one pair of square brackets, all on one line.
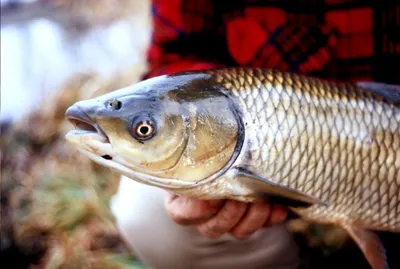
[(330, 150), (337, 143)]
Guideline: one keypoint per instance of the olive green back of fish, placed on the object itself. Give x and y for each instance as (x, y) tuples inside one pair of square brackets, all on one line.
[(336, 142)]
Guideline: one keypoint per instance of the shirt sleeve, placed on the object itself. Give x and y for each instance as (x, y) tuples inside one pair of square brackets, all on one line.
[(173, 20)]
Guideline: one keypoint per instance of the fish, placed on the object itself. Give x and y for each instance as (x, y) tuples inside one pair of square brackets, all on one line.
[(329, 150)]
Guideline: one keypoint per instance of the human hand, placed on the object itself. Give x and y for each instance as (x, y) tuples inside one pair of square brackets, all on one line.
[(213, 218)]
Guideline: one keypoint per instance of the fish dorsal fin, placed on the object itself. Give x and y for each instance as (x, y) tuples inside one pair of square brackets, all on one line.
[(370, 245), (390, 92), (272, 191)]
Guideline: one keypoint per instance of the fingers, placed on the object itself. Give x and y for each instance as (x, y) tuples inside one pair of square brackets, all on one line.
[(277, 216), (254, 219), (213, 218), (242, 220), (228, 216), (185, 211)]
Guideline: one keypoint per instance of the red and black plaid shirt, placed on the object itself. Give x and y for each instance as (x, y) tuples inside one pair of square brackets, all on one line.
[(337, 39)]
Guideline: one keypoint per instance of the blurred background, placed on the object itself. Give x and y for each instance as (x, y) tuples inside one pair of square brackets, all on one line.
[(45, 43), (54, 201)]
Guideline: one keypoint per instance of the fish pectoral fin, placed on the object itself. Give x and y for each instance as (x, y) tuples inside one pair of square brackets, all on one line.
[(370, 245), (388, 91), (273, 191)]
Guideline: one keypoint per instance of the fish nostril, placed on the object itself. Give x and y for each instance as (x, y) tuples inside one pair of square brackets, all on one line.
[(114, 104)]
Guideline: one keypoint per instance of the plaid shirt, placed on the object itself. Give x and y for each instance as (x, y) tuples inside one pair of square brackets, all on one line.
[(335, 39)]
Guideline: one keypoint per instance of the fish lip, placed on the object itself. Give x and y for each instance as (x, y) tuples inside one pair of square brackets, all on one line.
[(82, 122)]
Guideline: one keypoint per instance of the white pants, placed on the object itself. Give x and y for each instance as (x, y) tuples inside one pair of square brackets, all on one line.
[(162, 244)]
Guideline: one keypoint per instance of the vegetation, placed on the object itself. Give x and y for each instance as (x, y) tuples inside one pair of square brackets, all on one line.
[(55, 202)]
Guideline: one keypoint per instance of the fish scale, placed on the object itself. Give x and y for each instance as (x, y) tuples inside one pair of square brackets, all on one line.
[(337, 143)]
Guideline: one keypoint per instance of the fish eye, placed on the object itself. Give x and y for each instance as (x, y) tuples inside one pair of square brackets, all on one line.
[(143, 128)]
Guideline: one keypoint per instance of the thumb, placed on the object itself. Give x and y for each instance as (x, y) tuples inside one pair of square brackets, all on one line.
[(190, 211)]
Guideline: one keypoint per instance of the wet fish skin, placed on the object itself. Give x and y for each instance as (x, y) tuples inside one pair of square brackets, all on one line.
[(336, 142)]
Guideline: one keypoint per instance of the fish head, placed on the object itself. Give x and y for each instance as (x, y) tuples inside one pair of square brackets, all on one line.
[(176, 131)]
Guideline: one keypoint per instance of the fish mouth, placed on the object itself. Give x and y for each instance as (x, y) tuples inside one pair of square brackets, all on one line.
[(87, 133), (83, 123)]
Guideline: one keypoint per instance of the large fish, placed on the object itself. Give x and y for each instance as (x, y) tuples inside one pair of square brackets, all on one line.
[(331, 151)]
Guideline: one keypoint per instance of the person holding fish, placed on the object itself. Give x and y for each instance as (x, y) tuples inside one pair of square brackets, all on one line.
[(167, 230)]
